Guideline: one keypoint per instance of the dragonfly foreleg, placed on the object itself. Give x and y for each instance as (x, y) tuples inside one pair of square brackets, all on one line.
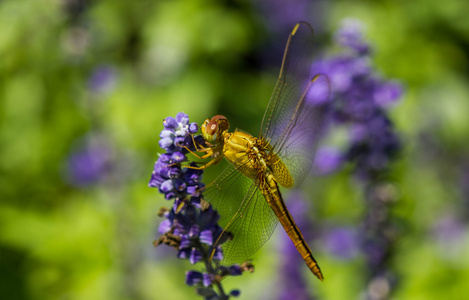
[(214, 161), (209, 152)]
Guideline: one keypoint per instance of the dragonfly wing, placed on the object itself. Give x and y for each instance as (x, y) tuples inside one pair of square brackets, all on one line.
[(295, 114), (244, 213), (293, 79)]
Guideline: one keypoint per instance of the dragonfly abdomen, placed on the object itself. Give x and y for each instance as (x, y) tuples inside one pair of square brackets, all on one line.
[(274, 198)]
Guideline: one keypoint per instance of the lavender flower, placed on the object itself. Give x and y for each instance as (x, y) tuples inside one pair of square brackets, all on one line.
[(342, 242), (328, 159), (350, 35), (379, 233), (191, 225), (168, 176), (449, 234), (102, 80), (360, 98), (91, 162)]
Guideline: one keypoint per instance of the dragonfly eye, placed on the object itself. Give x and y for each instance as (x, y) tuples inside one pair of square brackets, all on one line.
[(212, 128), (222, 122)]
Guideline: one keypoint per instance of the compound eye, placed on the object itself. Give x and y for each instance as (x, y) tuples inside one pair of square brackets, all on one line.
[(219, 117), (212, 127), (222, 122)]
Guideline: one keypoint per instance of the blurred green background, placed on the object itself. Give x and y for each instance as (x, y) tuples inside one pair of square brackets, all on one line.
[(75, 73)]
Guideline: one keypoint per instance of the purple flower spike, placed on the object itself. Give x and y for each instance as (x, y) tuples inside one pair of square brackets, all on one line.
[(184, 253), (164, 227), (170, 195), (342, 242), (206, 237), (178, 157), (167, 133), (328, 160), (181, 141), (173, 171), (180, 185), (218, 254), (170, 123), (351, 35), (360, 98), (387, 93), (193, 128), (182, 118), (193, 228), (195, 256), (166, 143), (319, 92), (165, 158), (194, 231), (167, 186), (92, 161), (235, 270), (194, 278), (102, 80), (185, 242), (156, 180)]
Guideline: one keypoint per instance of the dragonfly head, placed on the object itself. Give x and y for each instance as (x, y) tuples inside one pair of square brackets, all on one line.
[(212, 129)]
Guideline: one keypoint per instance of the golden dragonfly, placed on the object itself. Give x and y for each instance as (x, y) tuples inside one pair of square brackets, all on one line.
[(247, 194)]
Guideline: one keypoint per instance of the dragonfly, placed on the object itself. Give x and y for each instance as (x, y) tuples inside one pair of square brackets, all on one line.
[(247, 194)]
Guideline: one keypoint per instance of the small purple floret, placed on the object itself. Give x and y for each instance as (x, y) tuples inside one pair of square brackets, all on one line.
[(193, 278)]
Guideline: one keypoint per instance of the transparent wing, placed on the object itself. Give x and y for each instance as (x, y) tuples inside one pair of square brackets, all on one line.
[(295, 114), (244, 212)]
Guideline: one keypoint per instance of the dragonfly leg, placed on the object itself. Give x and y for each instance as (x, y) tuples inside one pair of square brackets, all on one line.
[(195, 144), (206, 155), (209, 152), (214, 161)]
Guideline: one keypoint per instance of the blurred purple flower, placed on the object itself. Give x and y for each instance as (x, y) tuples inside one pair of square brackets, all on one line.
[(342, 242), (319, 93), (350, 35), (280, 15), (284, 14), (328, 159), (91, 162), (448, 229), (359, 98), (387, 93), (449, 232), (194, 278), (464, 187), (102, 80), (378, 235)]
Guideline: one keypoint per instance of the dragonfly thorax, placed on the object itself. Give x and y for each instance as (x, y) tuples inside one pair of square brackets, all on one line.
[(246, 152), (251, 155)]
